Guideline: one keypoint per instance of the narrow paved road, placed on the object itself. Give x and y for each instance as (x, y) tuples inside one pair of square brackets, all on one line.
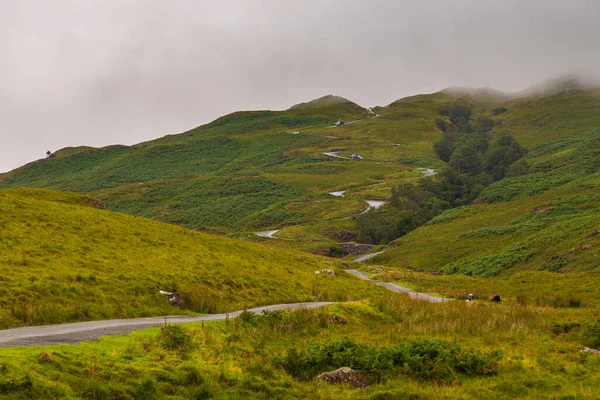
[(77, 332), (335, 154), (368, 256), (267, 234), (398, 289)]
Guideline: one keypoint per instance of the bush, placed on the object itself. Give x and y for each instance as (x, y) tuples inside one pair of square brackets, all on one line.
[(147, 390), (174, 337), (591, 335), (424, 358), (499, 110)]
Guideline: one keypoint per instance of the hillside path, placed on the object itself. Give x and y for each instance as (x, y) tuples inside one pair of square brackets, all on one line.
[(77, 332), (398, 289), (367, 257)]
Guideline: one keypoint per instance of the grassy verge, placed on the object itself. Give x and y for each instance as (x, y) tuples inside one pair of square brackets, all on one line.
[(406, 349), (63, 260)]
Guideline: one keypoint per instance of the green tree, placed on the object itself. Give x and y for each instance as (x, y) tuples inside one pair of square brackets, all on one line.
[(466, 159), (503, 151)]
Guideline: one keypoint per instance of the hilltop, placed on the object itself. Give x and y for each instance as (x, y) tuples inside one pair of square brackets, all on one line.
[(325, 101)]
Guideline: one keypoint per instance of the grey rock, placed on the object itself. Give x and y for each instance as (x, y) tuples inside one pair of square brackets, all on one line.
[(344, 375)]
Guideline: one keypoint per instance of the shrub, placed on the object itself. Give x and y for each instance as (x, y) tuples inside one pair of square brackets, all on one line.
[(428, 359), (193, 377), (591, 334), (561, 328), (174, 337), (147, 390)]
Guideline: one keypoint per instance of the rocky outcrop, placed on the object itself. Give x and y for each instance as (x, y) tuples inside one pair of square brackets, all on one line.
[(355, 248), (175, 299), (346, 236), (588, 350), (344, 375)]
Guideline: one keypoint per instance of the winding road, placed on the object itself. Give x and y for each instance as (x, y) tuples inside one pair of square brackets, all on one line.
[(369, 256), (268, 234), (397, 288), (77, 332)]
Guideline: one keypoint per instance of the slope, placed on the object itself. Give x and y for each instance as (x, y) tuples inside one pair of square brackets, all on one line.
[(64, 259), (546, 217), (266, 170)]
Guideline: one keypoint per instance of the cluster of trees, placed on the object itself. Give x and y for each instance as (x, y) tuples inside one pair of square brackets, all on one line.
[(468, 146), (475, 158), (412, 205), (475, 153)]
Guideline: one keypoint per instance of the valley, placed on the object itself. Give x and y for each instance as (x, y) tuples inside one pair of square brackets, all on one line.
[(294, 246)]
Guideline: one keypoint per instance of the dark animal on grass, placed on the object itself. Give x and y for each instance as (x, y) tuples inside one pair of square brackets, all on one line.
[(496, 299)]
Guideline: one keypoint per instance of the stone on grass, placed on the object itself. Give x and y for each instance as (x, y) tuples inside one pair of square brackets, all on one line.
[(344, 375), (326, 272), (588, 350), (175, 299)]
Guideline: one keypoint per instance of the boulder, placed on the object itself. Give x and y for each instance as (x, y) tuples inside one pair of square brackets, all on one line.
[(588, 350), (175, 299), (344, 375)]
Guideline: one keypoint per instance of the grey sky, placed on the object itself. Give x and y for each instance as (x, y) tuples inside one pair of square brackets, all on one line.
[(99, 72)]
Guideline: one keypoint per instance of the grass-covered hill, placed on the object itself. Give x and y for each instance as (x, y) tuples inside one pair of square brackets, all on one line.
[(260, 170), (532, 237), (325, 101), (546, 217), (65, 259)]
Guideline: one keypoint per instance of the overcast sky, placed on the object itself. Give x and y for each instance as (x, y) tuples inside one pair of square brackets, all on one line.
[(99, 72)]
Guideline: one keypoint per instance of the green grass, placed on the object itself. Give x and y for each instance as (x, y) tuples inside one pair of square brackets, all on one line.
[(406, 348), (540, 288), (65, 260)]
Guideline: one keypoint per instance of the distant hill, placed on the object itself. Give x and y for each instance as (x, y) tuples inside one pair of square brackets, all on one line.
[(325, 101), (264, 170), (564, 85), (483, 95)]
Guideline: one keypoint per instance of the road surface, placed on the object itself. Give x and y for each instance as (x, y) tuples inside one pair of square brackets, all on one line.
[(77, 332), (397, 288), (368, 256), (267, 234)]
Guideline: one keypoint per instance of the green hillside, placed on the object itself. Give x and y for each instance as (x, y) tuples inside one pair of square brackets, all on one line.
[(519, 219), (263, 170), (65, 259), (545, 218)]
